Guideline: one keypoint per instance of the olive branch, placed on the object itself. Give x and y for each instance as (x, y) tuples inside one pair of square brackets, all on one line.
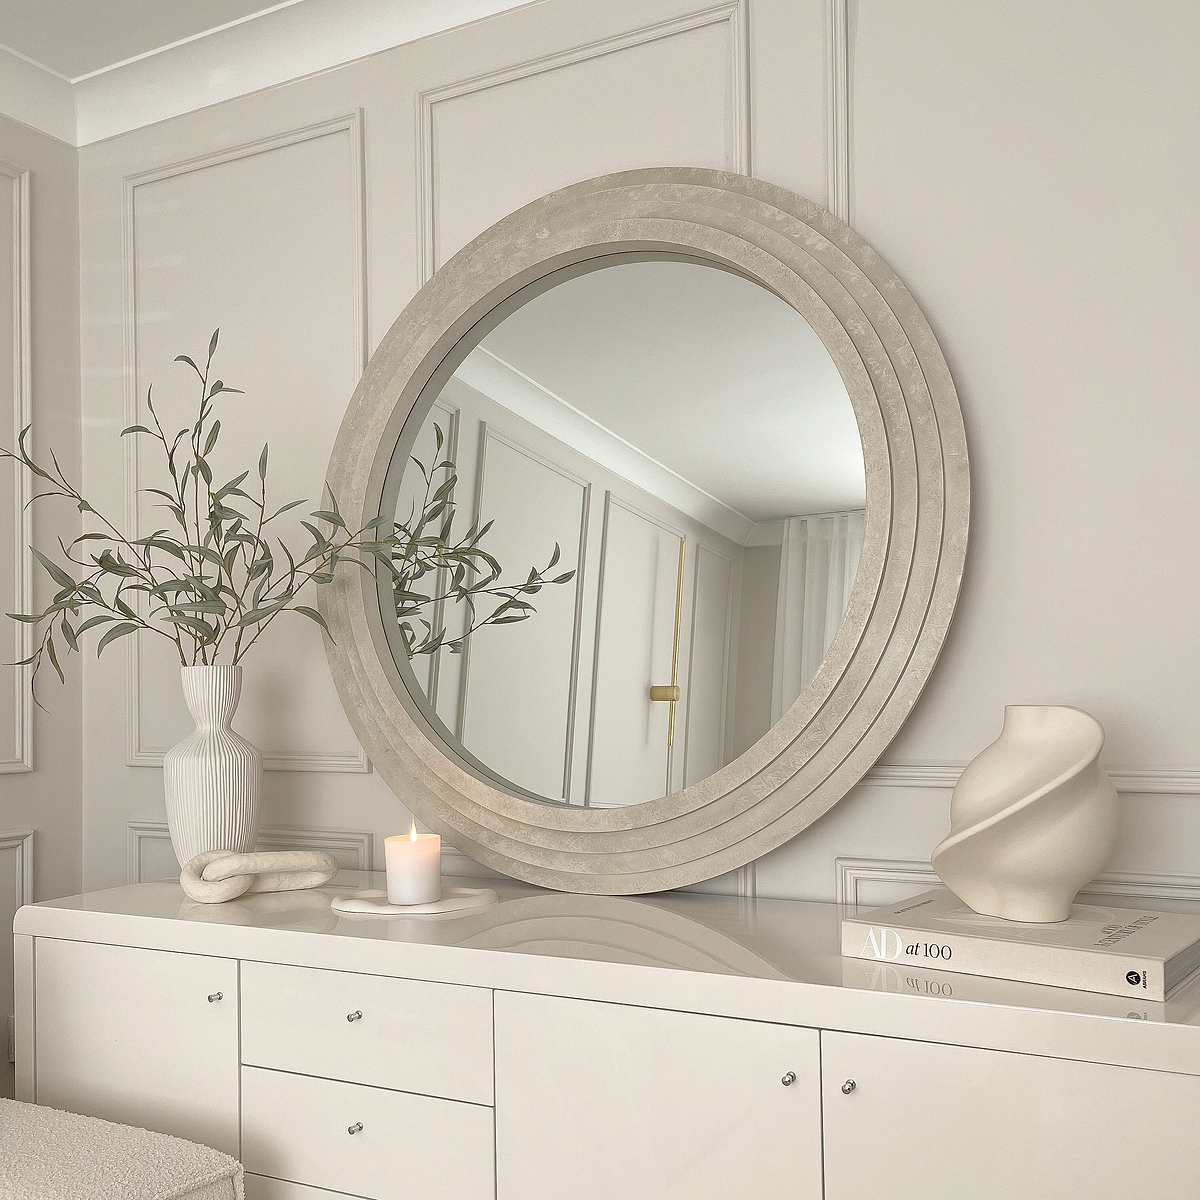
[(215, 578)]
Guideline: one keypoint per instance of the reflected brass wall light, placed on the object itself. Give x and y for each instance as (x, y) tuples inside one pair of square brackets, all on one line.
[(670, 692)]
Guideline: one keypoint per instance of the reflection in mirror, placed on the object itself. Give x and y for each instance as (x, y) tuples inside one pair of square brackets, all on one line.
[(629, 525)]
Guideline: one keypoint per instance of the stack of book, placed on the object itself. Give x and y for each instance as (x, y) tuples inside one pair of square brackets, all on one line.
[(1120, 952)]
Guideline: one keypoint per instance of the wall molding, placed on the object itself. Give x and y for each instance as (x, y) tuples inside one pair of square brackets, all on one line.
[(22, 485), (37, 97), (137, 754), (490, 434), (1132, 780), (457, 865), (357, 846), (851, 873), (837, 106), (22, 844), (734, 13), (286, 41)]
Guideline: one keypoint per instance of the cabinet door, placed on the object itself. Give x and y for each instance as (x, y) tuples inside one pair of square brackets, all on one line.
[(131, 1036), (603, 1101), (944, 1122)]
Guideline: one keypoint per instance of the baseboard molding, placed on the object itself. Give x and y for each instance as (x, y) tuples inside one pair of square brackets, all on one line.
[(855, 875), (1133, 780), (353, 848)]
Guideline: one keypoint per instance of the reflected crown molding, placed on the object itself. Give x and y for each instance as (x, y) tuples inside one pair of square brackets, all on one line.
[(511, 388)]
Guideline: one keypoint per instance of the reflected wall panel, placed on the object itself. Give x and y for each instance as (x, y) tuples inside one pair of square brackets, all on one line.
[(520, 678)]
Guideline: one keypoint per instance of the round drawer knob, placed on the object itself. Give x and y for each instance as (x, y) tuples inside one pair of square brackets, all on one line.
[(355, 1128), (354, 1016), (848, 1087), (788, 1079), (215, 997)]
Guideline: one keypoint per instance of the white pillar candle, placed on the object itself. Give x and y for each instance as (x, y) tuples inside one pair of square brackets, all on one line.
[(414, 867)]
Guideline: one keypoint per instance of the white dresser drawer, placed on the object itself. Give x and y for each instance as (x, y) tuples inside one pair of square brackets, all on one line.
[(297, 1128), (433, 1038)]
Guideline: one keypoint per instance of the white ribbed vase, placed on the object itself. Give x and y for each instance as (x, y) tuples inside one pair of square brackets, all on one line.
[(213, 778)]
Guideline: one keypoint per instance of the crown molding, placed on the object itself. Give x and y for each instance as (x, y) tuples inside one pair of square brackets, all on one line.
[(37, 97), (281, 44)]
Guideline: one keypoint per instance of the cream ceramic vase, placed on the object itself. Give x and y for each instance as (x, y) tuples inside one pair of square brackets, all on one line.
[(1033, 817), (213, 778)]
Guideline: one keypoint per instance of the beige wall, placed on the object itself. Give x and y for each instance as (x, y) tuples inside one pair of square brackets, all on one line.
[(40, 749), (1029, 171)]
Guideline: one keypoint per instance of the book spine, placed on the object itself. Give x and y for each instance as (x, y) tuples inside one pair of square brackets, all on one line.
[(907, 980), (1085, 970)]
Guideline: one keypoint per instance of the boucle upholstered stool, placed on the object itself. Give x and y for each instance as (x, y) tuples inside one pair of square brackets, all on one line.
[(50, 1155)]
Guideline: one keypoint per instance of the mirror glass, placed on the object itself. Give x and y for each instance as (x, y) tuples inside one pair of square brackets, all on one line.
[(628, 526)]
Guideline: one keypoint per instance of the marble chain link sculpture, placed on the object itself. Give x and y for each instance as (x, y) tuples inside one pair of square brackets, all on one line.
[(219, 875)]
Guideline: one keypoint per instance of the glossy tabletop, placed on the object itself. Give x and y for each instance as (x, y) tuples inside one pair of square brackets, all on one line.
[(757, 958)]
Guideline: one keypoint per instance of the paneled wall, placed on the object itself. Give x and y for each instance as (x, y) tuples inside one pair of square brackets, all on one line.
[(301, 220), (40, 754), (1029, 171)]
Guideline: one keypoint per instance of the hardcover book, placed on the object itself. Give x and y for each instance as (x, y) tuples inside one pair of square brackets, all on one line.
[(904, 979), (1118, 951)]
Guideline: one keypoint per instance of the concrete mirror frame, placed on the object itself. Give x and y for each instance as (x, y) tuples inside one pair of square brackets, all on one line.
[(904, 595)]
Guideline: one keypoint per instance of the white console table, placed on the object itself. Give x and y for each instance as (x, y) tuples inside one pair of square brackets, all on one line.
[(676, 1046)]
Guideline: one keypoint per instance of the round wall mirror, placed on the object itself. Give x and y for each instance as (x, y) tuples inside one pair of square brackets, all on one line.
[(630, 522), (678, 487)]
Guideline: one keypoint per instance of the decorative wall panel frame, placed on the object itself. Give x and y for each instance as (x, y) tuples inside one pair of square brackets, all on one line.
[(1130, 780), (913, 876), (734, 15), (21, 513), (918, 500), (137, 754), (490, 435), (355, 847), (21, 845)]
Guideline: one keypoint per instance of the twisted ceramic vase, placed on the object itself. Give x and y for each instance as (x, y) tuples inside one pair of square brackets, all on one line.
[(213, 778), (1033, 817)]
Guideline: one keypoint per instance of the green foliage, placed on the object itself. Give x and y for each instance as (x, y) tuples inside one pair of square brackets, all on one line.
[(215, 577), (431, 567)]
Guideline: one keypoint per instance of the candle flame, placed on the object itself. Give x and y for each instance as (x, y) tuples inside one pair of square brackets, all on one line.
[(412, 834)]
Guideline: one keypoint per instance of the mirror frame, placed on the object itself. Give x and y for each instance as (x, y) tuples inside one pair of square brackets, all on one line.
[(918, 504)]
